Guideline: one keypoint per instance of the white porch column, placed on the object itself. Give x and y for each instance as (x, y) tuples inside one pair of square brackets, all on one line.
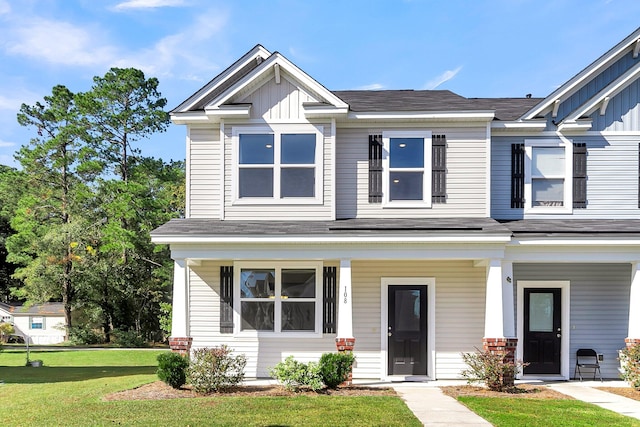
[(633, 336), (345, 308), (494, 302), (180, 341)]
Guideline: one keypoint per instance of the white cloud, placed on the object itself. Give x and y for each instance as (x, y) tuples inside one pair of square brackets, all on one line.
[(5, 7), (58, 43), (6, 144), (442, 78), (372, 86), (147, 4)]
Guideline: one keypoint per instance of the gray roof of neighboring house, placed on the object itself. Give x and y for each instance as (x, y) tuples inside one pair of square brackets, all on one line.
[(574, 227), (200, 227), (432, 100), (46, 309)]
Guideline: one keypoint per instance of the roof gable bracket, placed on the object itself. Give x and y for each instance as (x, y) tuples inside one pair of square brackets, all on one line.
[(556, 106), (276, 70), (636, 49), (603, 106)]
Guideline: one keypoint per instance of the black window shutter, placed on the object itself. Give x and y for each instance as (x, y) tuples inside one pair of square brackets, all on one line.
[(375, 168), (579, 175), (329, 300), (639, 175), (439, 169), (517, 175), (226, 299)]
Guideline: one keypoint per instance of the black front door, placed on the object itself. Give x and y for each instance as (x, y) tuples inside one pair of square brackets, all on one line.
[(542, 333), (407, 330)]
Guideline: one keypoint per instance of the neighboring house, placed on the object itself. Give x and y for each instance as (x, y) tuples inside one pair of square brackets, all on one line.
[(39, 323), (410, 225)]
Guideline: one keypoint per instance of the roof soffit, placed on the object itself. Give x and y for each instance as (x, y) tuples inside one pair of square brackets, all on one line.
[(629, 44)]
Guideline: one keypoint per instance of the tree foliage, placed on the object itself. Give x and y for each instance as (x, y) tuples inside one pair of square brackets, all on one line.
[(87, 202)]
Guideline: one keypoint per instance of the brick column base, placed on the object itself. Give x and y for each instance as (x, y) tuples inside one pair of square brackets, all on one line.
[(632, 342), (343, 345), (180, 345), (505, 347)]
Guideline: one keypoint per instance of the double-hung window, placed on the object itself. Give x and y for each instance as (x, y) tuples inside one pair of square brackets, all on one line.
[(279, 164), (282, 298), (406, 161), (36, 322), (548, 178)]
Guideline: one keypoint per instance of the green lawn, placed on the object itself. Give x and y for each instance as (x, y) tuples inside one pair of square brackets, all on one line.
[(511, 412), (68, 391)]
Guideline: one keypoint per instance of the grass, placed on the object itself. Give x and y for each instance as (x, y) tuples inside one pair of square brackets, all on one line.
[(504, 411), (68, 390)]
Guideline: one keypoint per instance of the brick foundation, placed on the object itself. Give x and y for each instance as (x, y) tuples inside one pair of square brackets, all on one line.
[(180, 345), (505, 347), (632, 342), (344, 345)]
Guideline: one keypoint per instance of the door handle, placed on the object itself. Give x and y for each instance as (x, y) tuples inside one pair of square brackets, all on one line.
[(389, 334), (558, 335)]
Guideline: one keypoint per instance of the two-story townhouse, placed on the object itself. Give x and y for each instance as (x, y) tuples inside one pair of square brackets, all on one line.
[(409, 226)]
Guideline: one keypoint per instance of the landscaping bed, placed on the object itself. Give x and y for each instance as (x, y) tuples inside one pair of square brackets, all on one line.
[(522, 391)]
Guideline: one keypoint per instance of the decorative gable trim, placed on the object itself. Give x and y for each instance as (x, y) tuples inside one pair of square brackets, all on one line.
[(572, 86)]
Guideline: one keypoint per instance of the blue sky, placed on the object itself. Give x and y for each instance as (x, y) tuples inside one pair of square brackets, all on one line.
[(481, 48)]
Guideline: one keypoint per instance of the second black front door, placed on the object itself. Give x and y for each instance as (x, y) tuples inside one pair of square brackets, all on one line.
[(407, 330), (542, 331)]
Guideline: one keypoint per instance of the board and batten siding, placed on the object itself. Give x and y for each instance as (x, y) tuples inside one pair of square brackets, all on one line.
[(276, 211), (466, 174), (599, 312), (612, 179), (623, 112), (204, 172), (460, 299)]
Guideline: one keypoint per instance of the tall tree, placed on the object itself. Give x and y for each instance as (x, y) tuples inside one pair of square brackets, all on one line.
[(11, 190), (45, 244)]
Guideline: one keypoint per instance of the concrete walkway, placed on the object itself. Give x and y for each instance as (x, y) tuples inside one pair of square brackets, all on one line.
[(587, 392)]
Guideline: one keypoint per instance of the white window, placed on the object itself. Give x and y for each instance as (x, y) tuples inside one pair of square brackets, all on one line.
[(278, 298), (36, 322), (281, 164), (548, 181), (406, 161)]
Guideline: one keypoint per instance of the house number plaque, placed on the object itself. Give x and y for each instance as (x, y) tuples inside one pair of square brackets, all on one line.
[(345, 294)]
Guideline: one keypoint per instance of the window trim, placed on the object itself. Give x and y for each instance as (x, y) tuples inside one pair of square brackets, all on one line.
[(31, 319), (529, 145), (277, 131), (426, 201), (278, 266)]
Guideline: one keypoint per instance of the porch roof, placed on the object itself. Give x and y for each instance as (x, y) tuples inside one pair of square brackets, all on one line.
[(426, 227), (623, 228)]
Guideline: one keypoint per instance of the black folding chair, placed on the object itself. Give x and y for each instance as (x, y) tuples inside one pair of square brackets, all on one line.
[(587, 358)]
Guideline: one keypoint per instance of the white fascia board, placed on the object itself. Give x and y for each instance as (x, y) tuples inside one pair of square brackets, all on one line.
[(285, 65), (479, 115), (573, 85), (515, 125), (580, 125), (229, 111), (222, 77), (604, 241), (315, 111), (609, 91), (189, 117), (304, 239), (573, 254)]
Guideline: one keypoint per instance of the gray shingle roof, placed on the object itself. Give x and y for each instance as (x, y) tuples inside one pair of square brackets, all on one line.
[(197, 227), (574, 227), (46, 309)]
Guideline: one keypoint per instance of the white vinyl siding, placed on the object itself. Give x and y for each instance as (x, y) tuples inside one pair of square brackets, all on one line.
[(204, 168), (612, 179), (599, 312), (460, 295), (466, 174), (279, 211)]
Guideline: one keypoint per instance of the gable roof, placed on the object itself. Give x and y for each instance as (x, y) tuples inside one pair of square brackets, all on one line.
[(630, 44)]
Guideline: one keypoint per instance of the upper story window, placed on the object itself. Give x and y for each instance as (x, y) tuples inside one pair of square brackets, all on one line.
[(279, 298), (36, 322), (548, 180), (279, 164), (406, 162)]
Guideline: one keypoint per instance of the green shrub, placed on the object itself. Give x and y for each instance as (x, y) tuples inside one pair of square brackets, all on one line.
[(172, 369), (82, 335), (214, 369), (295, 375), (492, 369), (129, 339), (630, 364), (335, 368)]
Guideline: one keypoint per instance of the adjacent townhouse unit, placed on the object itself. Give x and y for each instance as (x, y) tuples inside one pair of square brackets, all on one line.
[(410, 226)]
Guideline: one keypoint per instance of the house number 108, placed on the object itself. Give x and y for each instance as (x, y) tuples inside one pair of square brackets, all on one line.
[(345, 294)]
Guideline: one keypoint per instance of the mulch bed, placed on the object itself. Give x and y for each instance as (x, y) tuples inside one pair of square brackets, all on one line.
[(522, 391), (159, 391), (622, 391)]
